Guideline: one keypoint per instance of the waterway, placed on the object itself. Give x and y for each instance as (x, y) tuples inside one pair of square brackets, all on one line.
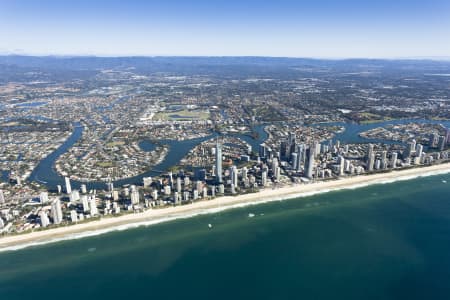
[(352, 130), (46, 174)]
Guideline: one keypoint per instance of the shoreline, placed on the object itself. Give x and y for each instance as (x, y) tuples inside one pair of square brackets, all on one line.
[(155, 216)]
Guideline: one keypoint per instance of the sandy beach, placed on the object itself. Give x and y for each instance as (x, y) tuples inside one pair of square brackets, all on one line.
[(154, 216)]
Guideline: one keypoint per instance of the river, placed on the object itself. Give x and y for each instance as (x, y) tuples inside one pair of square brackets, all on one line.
[(46, 174)]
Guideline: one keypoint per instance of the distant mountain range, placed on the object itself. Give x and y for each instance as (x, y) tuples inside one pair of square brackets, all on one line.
[(23, 68)]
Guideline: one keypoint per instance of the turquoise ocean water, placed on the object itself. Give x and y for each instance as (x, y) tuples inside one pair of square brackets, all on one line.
[(389, 241)]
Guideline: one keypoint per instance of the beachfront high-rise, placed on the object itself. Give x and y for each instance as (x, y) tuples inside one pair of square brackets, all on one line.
[(294, 160), (341, 165), (44, 219), (394, 158), (178, 184), (370, 158), (93, 206), (310, 152), (135, 197), (234, 175), (218, 162), (57, 212)]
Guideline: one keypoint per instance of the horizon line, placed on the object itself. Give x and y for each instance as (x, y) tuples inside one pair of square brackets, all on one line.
[(98, 55)]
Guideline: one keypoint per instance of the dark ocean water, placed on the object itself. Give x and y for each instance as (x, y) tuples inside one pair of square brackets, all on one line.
[(388, 241)]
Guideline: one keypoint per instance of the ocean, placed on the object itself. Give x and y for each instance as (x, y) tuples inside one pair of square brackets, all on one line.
[(386, 241)]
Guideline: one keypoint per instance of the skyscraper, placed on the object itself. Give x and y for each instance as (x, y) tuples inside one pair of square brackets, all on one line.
[(43, 197), (2, 197), (294, 159), (317, 148), (218, 163), (370, 158), (441, 143), (73, 216), (284, 150), (371, 161), (68, 186), (135, 196), (234, 176), (274, 164), (412, 146), (262, 150), (93, 206), (384, 162), (57, 212), (179, 184), (85, 203), (176, 197), (291, 138), (341, 165), (447, 134), (199, 185), (410, 149), (301, 150), (394, 159), (244, 173), (277, 172), (44, 218), (310, 152), (167, 190), (147, 181), (434, 139), (264, 178), (170, 179), (419, 150), (74, 196)]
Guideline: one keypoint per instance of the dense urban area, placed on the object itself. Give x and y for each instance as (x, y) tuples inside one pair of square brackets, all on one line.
[(86, 137)]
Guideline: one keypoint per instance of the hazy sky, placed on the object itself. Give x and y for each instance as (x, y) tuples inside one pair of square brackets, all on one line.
[(315, 28)]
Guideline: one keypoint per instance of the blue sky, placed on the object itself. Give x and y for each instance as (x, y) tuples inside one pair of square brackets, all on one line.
[(320, 28)]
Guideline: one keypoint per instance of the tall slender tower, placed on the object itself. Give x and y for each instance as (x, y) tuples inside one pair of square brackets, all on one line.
[(234, 175), (341, 165), (44, 218), (370, 158), (2, 197), (218, 162), (68, 186), (310, 163), (93, 206), (57, 212), (447, 134), (394, 159), (384, 162)]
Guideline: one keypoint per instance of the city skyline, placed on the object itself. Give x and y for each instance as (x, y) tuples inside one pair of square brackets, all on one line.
[(323, 29)]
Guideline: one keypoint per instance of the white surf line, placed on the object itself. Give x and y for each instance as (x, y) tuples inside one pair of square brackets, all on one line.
[(226, 206)]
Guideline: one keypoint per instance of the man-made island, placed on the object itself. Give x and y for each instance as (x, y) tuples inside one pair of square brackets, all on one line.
[(138, 136)]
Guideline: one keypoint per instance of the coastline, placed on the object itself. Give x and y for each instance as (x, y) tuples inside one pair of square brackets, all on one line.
[(150, 217)]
